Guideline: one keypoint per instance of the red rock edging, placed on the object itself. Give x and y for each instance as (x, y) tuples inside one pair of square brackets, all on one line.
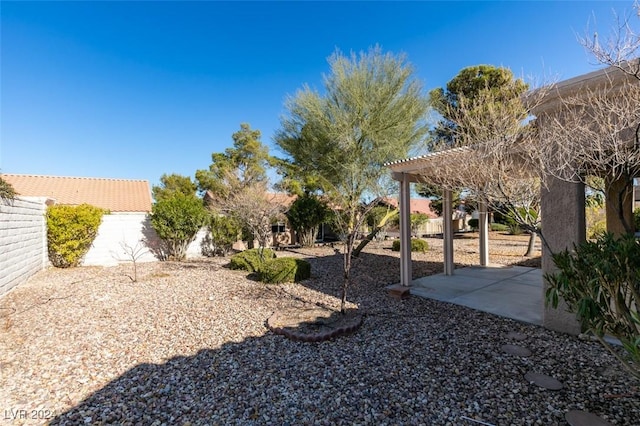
[(273, 323)]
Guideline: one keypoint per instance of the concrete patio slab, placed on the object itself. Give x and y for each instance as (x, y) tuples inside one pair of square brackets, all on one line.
[(513, 292)]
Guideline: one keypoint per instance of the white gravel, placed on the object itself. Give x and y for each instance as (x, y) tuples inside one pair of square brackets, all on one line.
[(187, 344)]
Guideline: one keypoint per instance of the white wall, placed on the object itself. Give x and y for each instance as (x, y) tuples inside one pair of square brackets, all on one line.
[(120, 233), (23, 240)]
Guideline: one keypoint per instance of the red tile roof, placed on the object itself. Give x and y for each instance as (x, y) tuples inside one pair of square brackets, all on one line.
[(116, 195), (418, 205)]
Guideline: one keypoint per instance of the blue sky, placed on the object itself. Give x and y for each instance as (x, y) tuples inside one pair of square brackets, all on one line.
[(133, 90)]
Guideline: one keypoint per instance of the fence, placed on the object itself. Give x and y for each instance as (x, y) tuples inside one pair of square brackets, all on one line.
[(23, 240)]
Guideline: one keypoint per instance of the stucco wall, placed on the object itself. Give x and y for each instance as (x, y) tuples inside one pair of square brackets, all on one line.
[(23, 241), (119, 233)]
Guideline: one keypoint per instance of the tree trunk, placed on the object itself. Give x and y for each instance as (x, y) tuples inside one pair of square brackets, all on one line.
[(373, 233), (366, 240), (347, 271), (532, 243)]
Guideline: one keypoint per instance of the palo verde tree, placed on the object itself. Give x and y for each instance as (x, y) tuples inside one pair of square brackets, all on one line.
[(372, 111)]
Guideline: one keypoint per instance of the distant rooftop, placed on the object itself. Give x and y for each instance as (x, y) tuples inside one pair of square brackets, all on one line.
[(116, 195)]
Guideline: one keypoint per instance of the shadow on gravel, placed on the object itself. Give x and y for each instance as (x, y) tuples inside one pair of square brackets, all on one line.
[(428, 368)]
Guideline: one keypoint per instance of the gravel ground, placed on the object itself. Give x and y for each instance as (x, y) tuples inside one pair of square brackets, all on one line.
[(187, 344)]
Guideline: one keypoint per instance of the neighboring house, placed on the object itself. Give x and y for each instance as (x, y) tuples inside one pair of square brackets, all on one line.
[(434, 225), (127, 225), (282, 234)]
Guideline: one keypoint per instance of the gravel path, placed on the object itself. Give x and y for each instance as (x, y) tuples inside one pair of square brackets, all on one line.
[(187, 344)]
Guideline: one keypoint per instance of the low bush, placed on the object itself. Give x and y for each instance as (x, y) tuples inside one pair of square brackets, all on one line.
[(473, 223), (599, 280), (416, 245), (70, 232), (223, 232), (284, 270), (500, 227), (636, 218), (251, 260)]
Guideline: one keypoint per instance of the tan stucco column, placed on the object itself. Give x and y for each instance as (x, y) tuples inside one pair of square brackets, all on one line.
[(617, 191), (563, 224), (447, 232), (405, 231)]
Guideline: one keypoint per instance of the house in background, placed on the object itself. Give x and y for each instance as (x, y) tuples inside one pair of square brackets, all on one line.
[(127, 225), (282, 233), (423, 206)]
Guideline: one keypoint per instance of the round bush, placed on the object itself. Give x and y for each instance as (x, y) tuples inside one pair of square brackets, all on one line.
[(284, 270), (416, 245), (70, 232), (251, 260)]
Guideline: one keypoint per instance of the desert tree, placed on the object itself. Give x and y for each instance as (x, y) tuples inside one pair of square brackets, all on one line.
[(238, 185), (256, 209), (372, 111), (622, 48), (456, 104), (172, 183), (596, 131), (242, 165), (485, 133)]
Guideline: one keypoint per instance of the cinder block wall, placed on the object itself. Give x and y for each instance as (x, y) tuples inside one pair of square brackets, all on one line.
[(23, 241)]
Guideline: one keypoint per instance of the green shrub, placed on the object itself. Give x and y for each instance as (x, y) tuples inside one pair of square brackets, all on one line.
[(177, 218), (223, 232), (305, 215), (284, 270), (251, 260), (636, 218), (473, 223), (600, 282), (500, 227), (416, 245), (70, 232)]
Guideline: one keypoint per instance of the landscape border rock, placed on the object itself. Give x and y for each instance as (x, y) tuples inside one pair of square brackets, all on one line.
[(313, 324)]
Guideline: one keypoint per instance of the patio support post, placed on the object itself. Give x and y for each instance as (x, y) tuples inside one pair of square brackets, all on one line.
[(405, 231), (483, 224), (563, 222), (447, 232)]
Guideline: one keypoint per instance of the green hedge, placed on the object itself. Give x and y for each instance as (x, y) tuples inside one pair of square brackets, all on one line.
[(251, 260), (284, 270), (70, 232), (416, 245)]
